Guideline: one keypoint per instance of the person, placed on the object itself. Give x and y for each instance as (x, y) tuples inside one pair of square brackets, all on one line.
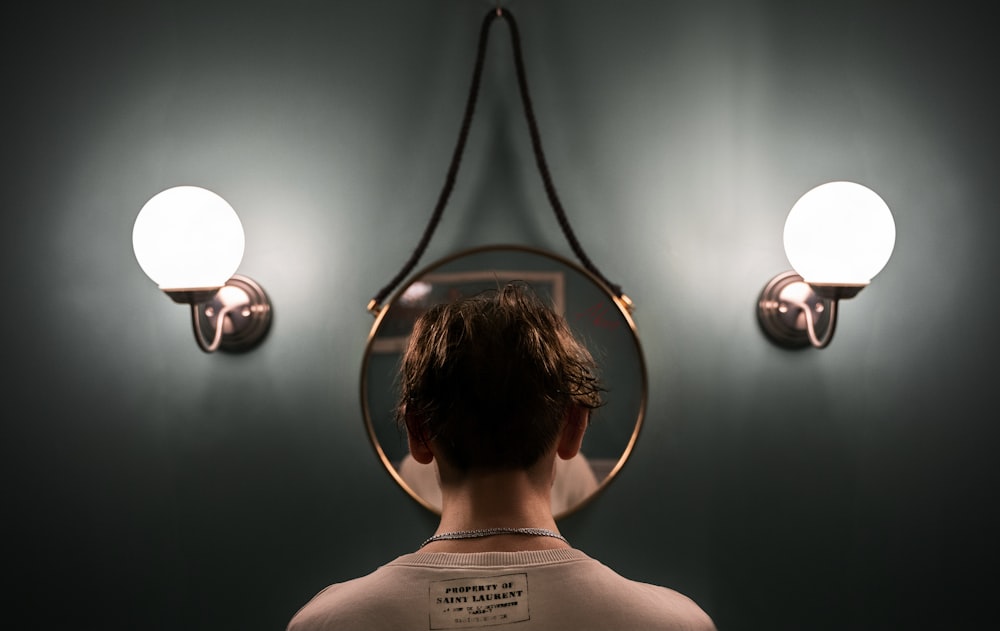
[(494, 388)]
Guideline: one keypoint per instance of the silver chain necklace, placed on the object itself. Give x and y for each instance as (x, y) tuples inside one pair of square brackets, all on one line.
[(489, 532)]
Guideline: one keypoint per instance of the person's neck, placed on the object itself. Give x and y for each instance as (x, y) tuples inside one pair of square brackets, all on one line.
[(496, 499)]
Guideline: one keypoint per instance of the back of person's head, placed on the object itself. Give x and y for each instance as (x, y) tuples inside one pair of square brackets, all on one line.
[(490, 378)]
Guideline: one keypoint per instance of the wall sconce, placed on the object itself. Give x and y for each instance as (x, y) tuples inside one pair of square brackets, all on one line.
[(189, 241), (837, 237)]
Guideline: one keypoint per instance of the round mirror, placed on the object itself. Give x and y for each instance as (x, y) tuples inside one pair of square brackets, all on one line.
[(598, 318)]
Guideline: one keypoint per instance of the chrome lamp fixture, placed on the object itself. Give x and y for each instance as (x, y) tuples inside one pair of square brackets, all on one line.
[(837, 237), (190, 242)]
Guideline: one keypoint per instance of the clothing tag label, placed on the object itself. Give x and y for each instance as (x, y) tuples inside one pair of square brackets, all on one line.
[(482, 601)]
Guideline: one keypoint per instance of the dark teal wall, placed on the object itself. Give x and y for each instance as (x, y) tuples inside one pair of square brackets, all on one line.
[(149, 486)]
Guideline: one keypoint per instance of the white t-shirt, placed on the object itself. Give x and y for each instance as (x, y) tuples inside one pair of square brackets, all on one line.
[(554, 590)]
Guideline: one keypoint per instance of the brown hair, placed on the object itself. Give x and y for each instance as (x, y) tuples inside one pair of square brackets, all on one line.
[(490, 378)]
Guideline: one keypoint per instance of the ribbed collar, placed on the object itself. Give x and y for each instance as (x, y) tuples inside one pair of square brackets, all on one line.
[(490, 559)]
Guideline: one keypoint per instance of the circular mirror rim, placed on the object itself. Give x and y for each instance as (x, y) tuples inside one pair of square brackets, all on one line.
[(623, 309)]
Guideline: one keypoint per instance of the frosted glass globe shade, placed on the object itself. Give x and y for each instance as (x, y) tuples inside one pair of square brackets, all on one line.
[(187, 237), (839, 233)]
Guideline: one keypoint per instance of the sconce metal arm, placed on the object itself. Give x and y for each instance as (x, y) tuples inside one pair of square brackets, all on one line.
[(199, 335), (814, 339)]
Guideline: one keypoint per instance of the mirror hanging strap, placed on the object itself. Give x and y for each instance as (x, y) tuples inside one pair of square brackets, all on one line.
[(375, 305)]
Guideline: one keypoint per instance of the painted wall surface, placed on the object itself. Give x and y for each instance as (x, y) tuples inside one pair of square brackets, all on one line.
[(150, 486)]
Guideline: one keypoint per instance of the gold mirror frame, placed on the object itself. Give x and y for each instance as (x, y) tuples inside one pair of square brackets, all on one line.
[(598, 316)]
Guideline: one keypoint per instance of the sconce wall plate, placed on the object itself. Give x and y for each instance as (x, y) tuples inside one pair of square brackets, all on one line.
[(245, 311), (782, 311)]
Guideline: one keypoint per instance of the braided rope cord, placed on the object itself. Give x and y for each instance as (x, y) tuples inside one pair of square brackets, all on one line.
[(536, 143)]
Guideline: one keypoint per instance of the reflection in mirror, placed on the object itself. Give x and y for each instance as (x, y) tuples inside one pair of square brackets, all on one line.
[(598, 318)]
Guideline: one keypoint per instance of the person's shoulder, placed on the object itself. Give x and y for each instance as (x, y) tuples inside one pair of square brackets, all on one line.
[(343, 605), (671, 605), (325, 608), (649, 605)]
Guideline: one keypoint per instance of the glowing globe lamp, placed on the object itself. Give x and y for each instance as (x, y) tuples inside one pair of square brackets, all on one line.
[(839, 235), (189, 241)]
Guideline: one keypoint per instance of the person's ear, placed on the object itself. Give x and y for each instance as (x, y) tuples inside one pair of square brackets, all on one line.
[(416, 437), (574, 427)]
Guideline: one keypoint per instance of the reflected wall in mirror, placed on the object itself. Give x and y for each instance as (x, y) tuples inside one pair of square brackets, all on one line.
[(598, 317)]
